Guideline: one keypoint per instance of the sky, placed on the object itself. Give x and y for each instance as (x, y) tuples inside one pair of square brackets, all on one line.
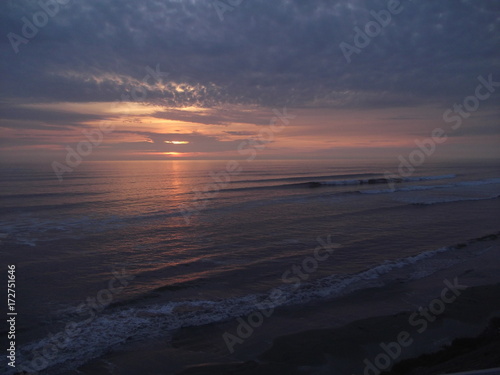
[(209, 79)]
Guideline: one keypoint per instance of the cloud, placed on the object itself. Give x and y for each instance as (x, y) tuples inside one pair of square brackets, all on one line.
[(180, 63), (218, 116), (240, 133), (264, 52), (17, 117), (196, 143)]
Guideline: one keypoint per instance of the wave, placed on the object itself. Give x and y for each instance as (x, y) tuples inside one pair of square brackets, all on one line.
[(432, 187), (305, 178), (373, 181), (50, 195), (121, 324), (432, 201), (348, 182), (82, 205), (30, 230)]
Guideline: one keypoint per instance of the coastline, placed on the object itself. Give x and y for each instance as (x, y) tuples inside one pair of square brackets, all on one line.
[(464, 354), (343, 350), (330, 337)]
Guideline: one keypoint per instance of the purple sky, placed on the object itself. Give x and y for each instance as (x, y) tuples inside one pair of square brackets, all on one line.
[(197, 78)]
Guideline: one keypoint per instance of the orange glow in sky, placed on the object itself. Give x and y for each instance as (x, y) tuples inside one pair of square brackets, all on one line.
[(177, 142)]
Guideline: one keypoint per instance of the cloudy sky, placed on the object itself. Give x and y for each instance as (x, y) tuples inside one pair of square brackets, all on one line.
[(196, 78)]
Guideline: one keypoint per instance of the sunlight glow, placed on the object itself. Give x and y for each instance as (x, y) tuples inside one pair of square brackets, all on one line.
[(177, 142)]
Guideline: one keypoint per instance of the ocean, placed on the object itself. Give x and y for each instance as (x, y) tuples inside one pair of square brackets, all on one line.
[(123, 252)]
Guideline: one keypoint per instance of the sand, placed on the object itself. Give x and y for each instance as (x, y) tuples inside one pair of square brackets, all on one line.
[(346, 335)]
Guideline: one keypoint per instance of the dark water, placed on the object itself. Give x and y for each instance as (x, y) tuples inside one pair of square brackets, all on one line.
[(197, 242)]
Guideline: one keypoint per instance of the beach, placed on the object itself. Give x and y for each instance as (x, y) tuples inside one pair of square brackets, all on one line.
[(329, 338)]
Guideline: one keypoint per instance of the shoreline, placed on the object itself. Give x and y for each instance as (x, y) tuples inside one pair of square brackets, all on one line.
[(345, 350), (327, 336), (464, 354)]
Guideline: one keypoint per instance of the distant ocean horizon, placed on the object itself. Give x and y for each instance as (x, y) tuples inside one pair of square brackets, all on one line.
[(129, 250)]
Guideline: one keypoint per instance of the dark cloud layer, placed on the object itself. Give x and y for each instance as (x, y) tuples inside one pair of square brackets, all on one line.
[(39, 119), (280, 52), (195, 142)]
